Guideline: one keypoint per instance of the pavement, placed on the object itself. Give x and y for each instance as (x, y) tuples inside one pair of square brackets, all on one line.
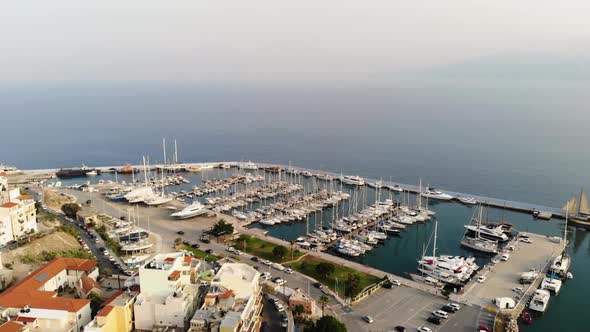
[(408, 307)]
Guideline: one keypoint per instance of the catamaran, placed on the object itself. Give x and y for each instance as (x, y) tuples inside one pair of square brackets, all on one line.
[(193, 210)]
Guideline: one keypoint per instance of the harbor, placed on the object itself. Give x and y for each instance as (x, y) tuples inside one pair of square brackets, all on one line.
[(352, 219)]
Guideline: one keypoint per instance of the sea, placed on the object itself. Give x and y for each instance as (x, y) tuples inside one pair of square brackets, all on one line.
[(515, 140)]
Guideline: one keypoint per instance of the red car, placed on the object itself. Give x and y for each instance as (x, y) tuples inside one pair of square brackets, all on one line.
[(484, 328)]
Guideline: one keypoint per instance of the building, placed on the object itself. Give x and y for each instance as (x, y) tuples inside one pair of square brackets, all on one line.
[(18, 216), (35, 300), (12, 326), (116, 314), (298, 297), (233, 303), (169, 292)]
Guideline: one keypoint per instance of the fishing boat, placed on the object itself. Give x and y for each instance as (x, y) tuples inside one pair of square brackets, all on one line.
[(193, 210), (473, 240), (436, 194), (540, 300)]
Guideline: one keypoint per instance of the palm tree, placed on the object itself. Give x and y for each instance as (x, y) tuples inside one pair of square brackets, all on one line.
[(323, 300)]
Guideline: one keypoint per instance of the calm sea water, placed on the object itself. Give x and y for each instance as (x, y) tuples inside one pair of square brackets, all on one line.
[(517, 140)]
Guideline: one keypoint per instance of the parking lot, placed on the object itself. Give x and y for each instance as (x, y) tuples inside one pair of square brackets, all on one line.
[(408, 307)]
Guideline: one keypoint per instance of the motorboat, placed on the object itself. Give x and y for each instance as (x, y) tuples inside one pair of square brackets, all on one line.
[(92, 173), (158, 200), (395, 187), (376, 185), (561, 265), (249, 165), (467, 200), (540, 300), (353, 180), (436, 194), (488, 231), (193, 210), (551, 284)]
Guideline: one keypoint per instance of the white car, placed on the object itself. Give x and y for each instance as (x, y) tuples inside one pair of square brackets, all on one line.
[(279, 307), (280, 281), (267, 262), (481, 279), (266, 276), (441, 314), (455, 306), (517, 289), (278, 266), (395, 282), (204, 283), (289, 270), (230, 249), (424, 329), (526, 240), (237, 252), (505, 257)]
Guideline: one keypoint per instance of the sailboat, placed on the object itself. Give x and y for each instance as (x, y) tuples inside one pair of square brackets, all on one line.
[(561, 263), (578, 208), (476, 242)]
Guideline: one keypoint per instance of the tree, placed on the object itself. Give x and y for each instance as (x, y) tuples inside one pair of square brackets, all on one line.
[(70, 209), (352, 284), (298, 311), (326, 324), (325, 268), (323, 300), (222, 227), (279, 252)]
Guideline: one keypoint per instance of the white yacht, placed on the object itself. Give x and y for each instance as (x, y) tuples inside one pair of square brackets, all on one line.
[(552, 285), (395, 187), (467, 200), (353, 180), (495, 233), (540, 300), (9, 170), (92, 173), (561, 265), (249, 165), (158, 200), (193, 210), (139, 193), (376, 185), (436, 194)]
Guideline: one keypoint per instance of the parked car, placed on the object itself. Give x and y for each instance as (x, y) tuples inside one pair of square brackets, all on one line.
[(400, 328), (254, 259), (186, 243), (278, 266), (279, 307), (505, 257), (441, 314), (434, 320), (526, 240), (266, 276), (481, 279), (368, 319), (395, 282), (267, 262), (195, 245), (209, 251), (455, 306), (317, 285), (180, 232), (289, 270), (424, 329)]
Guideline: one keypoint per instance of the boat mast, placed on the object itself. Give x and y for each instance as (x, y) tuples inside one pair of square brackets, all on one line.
[(164, 148), (420, 195), (435, 235)]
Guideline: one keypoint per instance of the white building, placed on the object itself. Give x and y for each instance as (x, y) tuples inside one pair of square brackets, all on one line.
[(169, 292), (234, 301), (18, 216), (34, 302)]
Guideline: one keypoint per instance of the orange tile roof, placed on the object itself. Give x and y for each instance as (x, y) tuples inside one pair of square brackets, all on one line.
[(3, 174), (174, 275), (24, 197), (105, 311), (88, 284), (188, 259), (169, 259), (25, 319), (9, 205), (26, 291), (11, 326)]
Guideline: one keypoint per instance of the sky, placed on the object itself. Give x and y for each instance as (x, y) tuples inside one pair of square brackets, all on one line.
[(269, 40)]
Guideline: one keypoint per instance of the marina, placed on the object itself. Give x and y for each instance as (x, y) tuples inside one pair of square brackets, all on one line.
[(365, 223)]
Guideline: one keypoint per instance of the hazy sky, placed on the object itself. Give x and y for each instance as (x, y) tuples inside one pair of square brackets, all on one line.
[(280, 40)]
